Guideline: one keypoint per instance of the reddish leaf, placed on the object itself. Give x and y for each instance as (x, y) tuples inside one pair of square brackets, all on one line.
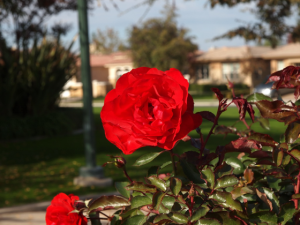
[(218, 93), (295, 154), (263, 139), (270, 110), (224, 130), (249, 175), (265, 162), (208, 115), (245, 143), (263, 197), (230, 148)]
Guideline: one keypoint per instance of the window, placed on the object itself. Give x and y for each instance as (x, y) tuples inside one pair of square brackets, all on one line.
[(280, 65), (119, 73), (230, 71), (203, 72)]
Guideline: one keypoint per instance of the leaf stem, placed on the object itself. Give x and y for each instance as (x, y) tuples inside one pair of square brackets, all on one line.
[(173, 161), (126, 174)]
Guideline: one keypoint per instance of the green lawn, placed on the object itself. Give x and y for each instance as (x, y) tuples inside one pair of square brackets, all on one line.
[(37, 170)]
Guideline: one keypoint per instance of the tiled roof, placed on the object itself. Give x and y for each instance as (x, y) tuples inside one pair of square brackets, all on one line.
[(114, 58), (285, 51), (233, 53)]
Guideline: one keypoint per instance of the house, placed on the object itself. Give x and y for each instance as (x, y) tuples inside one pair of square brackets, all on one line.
[(105, 71), (283, 56), (243, 64)]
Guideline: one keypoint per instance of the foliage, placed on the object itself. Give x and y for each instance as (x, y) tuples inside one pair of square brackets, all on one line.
[(271, 25), (259, 185), (160, 43), (31, 80), (106, 41)]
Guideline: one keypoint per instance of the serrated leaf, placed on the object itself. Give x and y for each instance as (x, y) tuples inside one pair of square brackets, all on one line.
[(136, 220), (120, 186), (178, 217), (140, 186), (139, 201), (226, 181), (265, 216), (236, 164), (292, 131), (257, 97), (248, 175), (207, 115), (264, 198), (160, 184), (207, 222), (157, 199), (108, 202), (175, 185), (273, 198), (209, 176), (168, 202), (264, 139), (286, 213), (199, 213), (144, 159)]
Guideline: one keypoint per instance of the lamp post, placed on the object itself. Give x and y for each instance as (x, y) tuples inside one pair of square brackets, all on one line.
[(91, 174)]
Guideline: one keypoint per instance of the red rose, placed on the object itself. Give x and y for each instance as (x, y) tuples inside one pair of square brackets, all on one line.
[(149, 107), (58, 213)]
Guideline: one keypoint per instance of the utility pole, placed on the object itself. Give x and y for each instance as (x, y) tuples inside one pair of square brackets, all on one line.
[(91, 174)]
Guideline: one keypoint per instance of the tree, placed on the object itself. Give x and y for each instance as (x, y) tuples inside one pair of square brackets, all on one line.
[(106, 41), (160, 43), (271, 26)]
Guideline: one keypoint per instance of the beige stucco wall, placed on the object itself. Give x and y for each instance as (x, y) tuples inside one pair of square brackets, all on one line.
[(112, 71), (99, 73), (286, 62)]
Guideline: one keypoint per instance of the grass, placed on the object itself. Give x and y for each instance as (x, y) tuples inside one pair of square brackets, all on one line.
[(33, 171)]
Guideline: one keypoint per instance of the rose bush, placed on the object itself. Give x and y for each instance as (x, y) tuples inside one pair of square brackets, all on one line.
[(60, 211), (149, 107), (254, 179)]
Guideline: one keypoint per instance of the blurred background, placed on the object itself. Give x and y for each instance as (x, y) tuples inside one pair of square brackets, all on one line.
[(42, 142)]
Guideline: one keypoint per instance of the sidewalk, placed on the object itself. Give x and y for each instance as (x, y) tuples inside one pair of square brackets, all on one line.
[(34, 214)]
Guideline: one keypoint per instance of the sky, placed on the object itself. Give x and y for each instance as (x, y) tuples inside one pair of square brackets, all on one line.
[(203, 22)]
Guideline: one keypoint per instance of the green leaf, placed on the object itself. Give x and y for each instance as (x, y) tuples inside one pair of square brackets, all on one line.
[(108, 202), (191, 172), (168, 202), (178, 217), (175, 185), (139, 201), (265, 216), (223, 217), (264, 123), (209, 176), (296, 196), (226, 181), (153, 171), (287, 212), (136, 220), (273, 198), (292, 131), (199, 213), (161, 218), (157, 199), (257, 97), (207, 222), (120, 186), (140, 186), (226, 200), (236, 164), (296, 154), (166, 164), (160, 184), (144, 159), (239, 191)]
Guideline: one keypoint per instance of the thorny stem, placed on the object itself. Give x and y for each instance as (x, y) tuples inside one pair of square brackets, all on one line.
[(173, 161), (297, 190), (126, 174)]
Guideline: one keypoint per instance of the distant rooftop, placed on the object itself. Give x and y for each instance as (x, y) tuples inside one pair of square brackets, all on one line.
[(233, 53), (285, 51)]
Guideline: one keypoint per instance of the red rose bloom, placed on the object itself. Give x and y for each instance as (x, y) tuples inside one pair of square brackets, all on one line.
[(149, 107), (58, 213)]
